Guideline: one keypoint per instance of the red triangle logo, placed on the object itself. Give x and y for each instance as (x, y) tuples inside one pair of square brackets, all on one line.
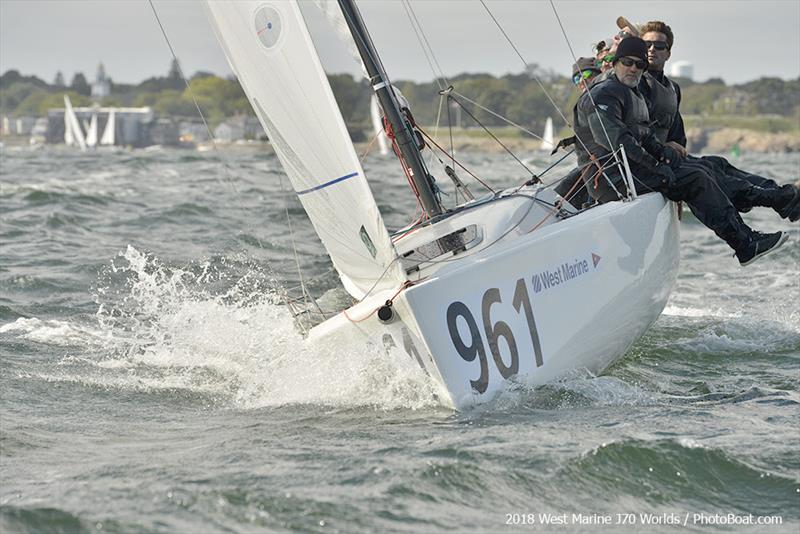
[(595, 259)]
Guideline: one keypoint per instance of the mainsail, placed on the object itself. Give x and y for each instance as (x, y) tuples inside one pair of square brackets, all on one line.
[(269, 48)]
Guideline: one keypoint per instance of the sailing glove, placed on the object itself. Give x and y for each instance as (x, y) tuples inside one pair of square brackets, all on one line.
[(665, 175)]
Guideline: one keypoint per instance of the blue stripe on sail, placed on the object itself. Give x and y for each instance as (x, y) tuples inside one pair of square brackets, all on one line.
[(326, 184)]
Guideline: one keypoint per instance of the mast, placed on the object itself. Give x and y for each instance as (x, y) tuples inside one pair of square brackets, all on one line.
[(406, 140)]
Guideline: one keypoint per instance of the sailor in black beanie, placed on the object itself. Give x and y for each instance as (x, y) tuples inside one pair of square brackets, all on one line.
[(630, 61), (615, 113)]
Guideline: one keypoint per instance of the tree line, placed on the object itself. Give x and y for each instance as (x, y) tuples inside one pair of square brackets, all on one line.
[(518, 97)]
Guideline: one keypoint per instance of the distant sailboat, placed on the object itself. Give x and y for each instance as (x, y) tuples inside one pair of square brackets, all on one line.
[(110, 131), (377, 125), (547, 139), (91, 132), (334, 17), (73, 134)]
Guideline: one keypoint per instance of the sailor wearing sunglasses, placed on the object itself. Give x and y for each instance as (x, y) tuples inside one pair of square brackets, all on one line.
[(745, 189), (615, 113)]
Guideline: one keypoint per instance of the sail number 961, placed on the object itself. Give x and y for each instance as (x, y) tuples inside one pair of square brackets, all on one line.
[(474, 347)]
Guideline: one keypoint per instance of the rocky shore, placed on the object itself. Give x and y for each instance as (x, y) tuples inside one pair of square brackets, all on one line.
[(721, 140)]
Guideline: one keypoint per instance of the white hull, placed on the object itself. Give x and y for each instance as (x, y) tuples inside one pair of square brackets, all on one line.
[(621, 263)]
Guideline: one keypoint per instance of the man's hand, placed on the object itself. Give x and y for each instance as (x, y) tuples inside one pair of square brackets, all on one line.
[(671, 157), (665, 175), (681, 149)]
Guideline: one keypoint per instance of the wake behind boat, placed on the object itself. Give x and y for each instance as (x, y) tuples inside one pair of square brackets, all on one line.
[(513, 286)]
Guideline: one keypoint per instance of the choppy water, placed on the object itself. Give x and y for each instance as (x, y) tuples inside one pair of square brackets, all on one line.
[(151, 382)]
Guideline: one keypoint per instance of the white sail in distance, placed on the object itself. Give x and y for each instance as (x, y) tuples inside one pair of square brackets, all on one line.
[(269, 48), (91, 132), (548, 143), (335, 18), (69, 138), (74, 123), (109, 133)]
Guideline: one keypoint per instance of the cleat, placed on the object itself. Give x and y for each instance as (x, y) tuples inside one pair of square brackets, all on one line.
[(760, 245)]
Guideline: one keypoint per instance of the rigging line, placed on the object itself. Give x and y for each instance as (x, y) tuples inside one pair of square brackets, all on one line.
[(508, 121), (575, 60), (436, 127), (294, 246), (525, 63), (217, 151), (191, 93), (455, 161), (421, 45), (539, 176), (497, 140), (433, 55)]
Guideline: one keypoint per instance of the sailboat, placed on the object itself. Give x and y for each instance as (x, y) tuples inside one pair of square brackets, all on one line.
[(73, 134), (506, 288), (110, 131), (547, 143)]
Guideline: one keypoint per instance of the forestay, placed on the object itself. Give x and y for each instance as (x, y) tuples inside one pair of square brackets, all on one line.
[(269, 48)]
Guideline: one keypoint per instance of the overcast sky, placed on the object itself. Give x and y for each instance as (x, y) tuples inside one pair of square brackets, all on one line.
[(734, 40)]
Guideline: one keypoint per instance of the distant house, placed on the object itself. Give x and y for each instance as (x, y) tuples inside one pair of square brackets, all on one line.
[(239, 128), (8, 126), (163, 132), (230, 131), (192, 132)]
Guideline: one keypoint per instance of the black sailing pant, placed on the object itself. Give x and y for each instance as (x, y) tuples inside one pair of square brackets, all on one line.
[(746, 190), (694, 185)]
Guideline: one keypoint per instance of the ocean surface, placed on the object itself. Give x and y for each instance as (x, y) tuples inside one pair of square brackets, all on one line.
[(152, 381)]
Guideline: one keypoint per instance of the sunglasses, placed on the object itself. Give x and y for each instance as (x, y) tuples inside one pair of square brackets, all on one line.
[(608, 58), (658, 45), (583, 75), (628, 62)]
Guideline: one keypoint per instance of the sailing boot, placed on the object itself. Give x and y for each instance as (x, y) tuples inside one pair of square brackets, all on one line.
[(760, 245)]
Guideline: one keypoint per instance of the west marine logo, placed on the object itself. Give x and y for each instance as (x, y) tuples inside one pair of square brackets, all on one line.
[(564, 273)]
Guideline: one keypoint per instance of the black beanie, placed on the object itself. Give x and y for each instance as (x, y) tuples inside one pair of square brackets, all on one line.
[(633, 47)]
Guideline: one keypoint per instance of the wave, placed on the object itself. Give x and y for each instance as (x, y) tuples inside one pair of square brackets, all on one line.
[(217, 329), (683, 473)]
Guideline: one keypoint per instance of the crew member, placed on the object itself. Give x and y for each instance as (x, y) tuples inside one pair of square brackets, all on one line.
[(616, 114), (663, 95)]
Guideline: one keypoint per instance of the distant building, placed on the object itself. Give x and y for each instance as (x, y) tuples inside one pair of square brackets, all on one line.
[(229, 131), (39, 131), (101, 87), (8, 126), (17, 125), (24, 125), (239, 128), (682, 69), (192, 131)]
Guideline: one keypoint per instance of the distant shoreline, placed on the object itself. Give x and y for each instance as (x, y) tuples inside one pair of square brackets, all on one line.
[(700, 140)]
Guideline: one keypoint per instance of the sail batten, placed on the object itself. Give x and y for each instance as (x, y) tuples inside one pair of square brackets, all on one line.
[(269, 48)]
